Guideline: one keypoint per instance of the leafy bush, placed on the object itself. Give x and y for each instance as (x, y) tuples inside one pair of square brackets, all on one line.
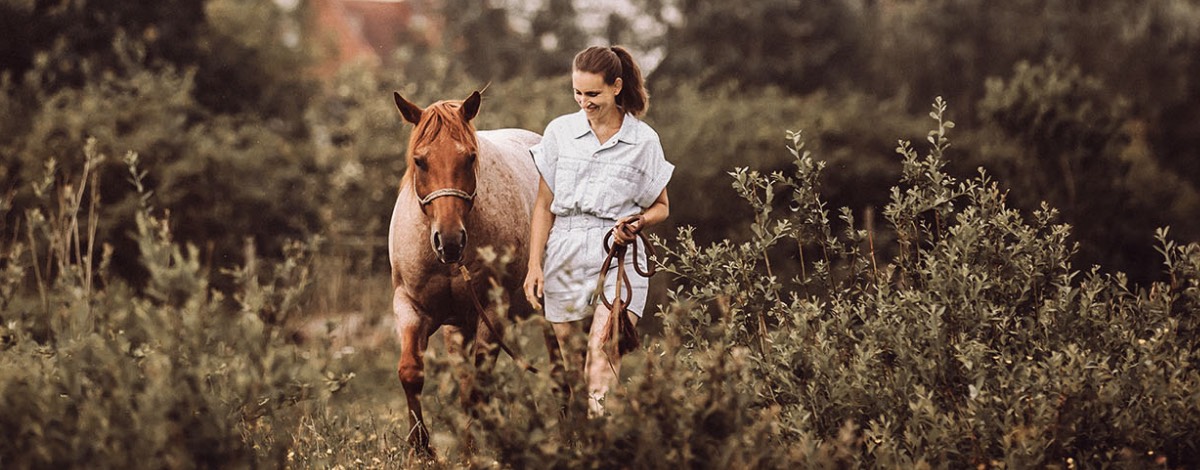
[(96, 374), (978, 344)]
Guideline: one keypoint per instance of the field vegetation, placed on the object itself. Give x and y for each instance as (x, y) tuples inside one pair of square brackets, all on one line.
[(193, 273)]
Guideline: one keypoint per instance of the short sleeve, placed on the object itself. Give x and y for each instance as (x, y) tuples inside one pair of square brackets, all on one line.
[(658, 172), (545, 156)]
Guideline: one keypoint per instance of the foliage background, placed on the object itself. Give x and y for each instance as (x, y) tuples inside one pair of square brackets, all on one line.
[(1001, 303)]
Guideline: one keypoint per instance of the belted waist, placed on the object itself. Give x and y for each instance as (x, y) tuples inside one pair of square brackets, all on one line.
[(582, 222)]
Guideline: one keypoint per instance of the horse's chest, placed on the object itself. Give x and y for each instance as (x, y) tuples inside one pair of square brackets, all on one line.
[(444, 298)]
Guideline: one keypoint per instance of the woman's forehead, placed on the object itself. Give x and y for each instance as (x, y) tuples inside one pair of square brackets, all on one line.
[(581, 80)]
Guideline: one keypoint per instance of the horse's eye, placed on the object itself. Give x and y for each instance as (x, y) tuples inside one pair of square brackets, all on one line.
[(420, 162), (471, 158)]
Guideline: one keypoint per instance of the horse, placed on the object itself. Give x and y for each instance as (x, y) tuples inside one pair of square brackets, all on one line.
[(462, 187)]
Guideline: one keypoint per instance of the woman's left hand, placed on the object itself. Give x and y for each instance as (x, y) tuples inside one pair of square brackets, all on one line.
[(627, 229)]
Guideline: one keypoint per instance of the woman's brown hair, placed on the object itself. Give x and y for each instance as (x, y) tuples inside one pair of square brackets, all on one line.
[(611, 63)]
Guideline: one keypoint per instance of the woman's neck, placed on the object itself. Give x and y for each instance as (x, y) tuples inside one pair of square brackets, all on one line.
[(607, 125)]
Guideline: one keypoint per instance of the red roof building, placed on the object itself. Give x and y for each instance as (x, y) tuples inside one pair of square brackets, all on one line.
[(370, 31)]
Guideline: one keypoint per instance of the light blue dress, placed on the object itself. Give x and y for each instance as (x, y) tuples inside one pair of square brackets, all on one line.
[(594, 185)]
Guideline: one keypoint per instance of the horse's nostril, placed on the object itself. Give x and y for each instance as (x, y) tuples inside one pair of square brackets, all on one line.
[(448, 246)]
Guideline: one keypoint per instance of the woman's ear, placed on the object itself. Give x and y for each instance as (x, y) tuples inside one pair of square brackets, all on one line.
[(618, 84)]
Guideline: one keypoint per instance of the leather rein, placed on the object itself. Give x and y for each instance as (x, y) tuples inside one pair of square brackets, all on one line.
[(487, 321)]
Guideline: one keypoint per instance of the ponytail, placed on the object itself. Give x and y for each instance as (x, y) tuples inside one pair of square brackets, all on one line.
[(611, 63), (633, 96)]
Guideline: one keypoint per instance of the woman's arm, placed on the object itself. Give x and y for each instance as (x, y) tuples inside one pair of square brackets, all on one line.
[(539, 232)]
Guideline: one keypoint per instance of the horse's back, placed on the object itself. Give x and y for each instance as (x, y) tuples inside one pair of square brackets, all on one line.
[(513, 140), (512, 152)]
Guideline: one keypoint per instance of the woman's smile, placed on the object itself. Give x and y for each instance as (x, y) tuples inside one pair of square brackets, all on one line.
[(592, 94)]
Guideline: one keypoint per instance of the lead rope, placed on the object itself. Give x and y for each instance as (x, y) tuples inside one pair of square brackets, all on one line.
[(619, 325), (487, 321)]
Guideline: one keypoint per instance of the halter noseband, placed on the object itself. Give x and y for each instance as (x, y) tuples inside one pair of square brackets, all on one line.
[(470, 198)]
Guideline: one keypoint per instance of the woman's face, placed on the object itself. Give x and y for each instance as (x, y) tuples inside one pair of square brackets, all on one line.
[(593, 95)]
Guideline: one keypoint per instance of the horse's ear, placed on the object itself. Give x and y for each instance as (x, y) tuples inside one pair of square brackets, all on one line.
[(470, 106), (411, 112)]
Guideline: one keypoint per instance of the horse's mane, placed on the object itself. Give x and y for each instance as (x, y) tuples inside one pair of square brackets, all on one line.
[(443, 117)]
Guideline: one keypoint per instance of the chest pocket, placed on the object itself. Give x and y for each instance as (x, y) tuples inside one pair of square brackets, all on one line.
[(569, 176), (615, 186)]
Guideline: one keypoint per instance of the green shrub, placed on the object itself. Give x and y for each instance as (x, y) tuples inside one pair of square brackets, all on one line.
[(1059, 137), (978, 344), (95, 374)]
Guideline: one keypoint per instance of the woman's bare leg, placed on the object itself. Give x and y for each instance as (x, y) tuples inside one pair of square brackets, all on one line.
[(571, 348), (602, 371)]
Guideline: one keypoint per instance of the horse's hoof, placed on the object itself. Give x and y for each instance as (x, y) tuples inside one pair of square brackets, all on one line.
[(421, 454)]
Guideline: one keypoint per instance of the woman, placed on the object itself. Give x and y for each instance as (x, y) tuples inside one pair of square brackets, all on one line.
[(602, 169)]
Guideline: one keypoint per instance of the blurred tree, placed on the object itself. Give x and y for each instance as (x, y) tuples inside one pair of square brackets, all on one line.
[(81, 34), (556, 31), (482, 40), (1069, 138), (1145, 50), (206, 91), (235, 46), (799, 45), (246, 66), (948, 48)]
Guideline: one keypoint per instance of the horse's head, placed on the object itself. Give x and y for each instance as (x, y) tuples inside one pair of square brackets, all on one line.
[(442, 162)]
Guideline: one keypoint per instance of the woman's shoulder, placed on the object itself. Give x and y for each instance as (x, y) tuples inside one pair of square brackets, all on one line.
[(645, 132), (567, 123)]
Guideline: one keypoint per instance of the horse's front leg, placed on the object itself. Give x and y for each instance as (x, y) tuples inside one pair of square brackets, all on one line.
[(413, 330)]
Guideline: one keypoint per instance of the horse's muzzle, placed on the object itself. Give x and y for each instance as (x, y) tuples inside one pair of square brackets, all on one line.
[(449, 247)]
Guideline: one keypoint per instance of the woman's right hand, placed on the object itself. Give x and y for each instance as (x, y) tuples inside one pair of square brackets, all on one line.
[(534, 283)]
